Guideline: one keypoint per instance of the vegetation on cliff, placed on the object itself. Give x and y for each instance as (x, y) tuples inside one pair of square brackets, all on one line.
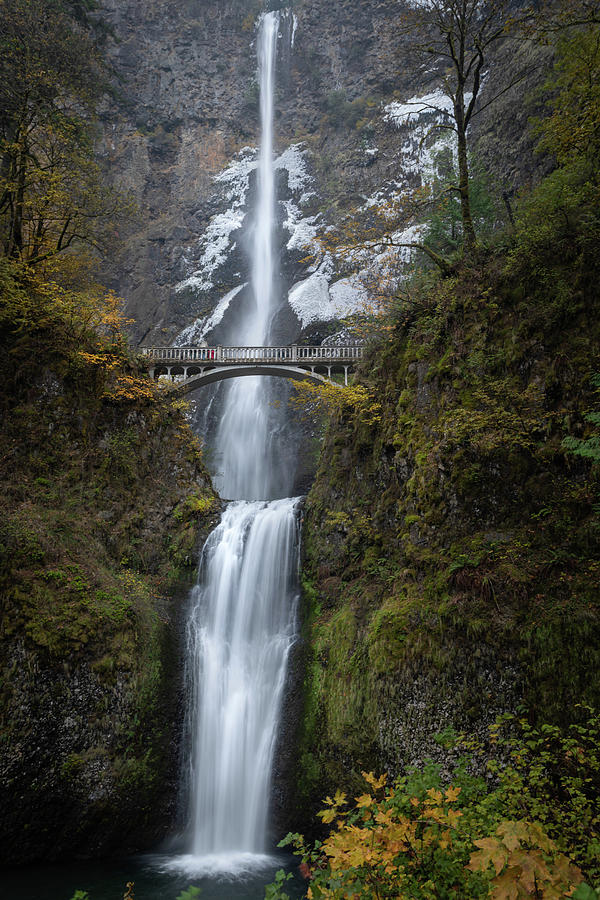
[(102, 494), (102, 485), (452, 534)]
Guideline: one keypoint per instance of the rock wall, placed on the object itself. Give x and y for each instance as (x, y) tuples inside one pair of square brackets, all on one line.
[(449, 547), (183, 136), (103, 502)]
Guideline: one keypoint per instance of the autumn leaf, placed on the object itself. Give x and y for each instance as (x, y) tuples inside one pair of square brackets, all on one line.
[(492, 852), (505, 885), (327, 815), (452, 794), (376, 783)]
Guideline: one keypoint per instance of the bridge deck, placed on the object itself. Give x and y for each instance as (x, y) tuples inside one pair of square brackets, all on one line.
[(290, 355)]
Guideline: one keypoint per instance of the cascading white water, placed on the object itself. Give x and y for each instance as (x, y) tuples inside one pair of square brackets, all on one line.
[(242, 622), (240, 632), (245, 434)]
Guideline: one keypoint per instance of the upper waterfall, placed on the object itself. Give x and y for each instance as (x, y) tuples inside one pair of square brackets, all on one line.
[(262, 257), (251, 464)]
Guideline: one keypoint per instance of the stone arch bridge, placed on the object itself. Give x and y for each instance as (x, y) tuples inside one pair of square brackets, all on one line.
[(190, 368)]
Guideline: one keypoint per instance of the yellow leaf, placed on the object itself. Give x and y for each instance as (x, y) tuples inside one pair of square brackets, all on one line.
[(376, 783), (505, 885), (452, 794), (492, 852), (383, 818), (327, 815), (364, 801), (533, 869)]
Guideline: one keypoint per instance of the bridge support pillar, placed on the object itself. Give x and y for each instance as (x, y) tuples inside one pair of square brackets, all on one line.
[(346, 376), (329, 372)]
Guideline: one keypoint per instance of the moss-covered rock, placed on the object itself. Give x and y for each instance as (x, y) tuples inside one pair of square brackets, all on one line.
[(103, 500), (451, 548)]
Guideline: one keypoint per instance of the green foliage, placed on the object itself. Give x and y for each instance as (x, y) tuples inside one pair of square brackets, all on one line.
[(477, 552), (552, 776), (274, 891), (344, 113), (526, 835), (419, 839), (572, 129), (444, 231), (588, 448), (51, 78)]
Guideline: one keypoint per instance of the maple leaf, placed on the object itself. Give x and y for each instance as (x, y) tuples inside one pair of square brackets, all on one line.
[(384, 818), (492, 852), (452, 817), (567, 871), (376, 783), (505, 885), (364, 801), (452, 794), (533, 869), (327, 815)]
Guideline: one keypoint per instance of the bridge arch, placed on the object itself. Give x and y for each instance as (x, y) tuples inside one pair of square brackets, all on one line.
[(211, 376), (194, 367)]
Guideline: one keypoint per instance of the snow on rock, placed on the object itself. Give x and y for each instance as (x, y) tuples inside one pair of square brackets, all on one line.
[(236, 175), (303, 231), (293, 159), (196, 332), (425, 117), (215, 243), (315, 300), (437, 103), (310, 299), (348, 296)]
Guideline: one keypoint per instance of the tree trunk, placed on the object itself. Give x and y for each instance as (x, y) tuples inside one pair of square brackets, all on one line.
[(470, 237), (16, 238)]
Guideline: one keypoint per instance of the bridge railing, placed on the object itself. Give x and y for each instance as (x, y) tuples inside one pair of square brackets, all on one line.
[(288, 355)]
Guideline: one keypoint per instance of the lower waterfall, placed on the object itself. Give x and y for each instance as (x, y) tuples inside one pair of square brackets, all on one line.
[(239, 635)]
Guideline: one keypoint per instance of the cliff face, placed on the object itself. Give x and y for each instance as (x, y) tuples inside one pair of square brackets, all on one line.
[(450, 542), (102, 493), (182, 138)]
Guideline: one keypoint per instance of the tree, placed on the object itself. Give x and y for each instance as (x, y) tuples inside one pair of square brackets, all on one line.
[(51, 78), (458, 36)]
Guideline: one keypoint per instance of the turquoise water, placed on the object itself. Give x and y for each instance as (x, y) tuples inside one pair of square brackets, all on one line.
[(107, 880)]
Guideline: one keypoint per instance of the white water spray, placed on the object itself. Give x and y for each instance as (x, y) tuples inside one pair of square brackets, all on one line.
[(246, 433), (240, 632), (242, 623)]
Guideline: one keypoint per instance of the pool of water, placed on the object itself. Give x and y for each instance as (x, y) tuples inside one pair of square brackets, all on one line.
[(154, 878)]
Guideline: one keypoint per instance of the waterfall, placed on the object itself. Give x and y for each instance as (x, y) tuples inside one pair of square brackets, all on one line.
[(245, 437), (242, 620), (241, 629)]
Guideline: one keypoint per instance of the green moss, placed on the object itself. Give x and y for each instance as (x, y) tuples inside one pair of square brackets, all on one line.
[(457, 537), (387, 634)]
